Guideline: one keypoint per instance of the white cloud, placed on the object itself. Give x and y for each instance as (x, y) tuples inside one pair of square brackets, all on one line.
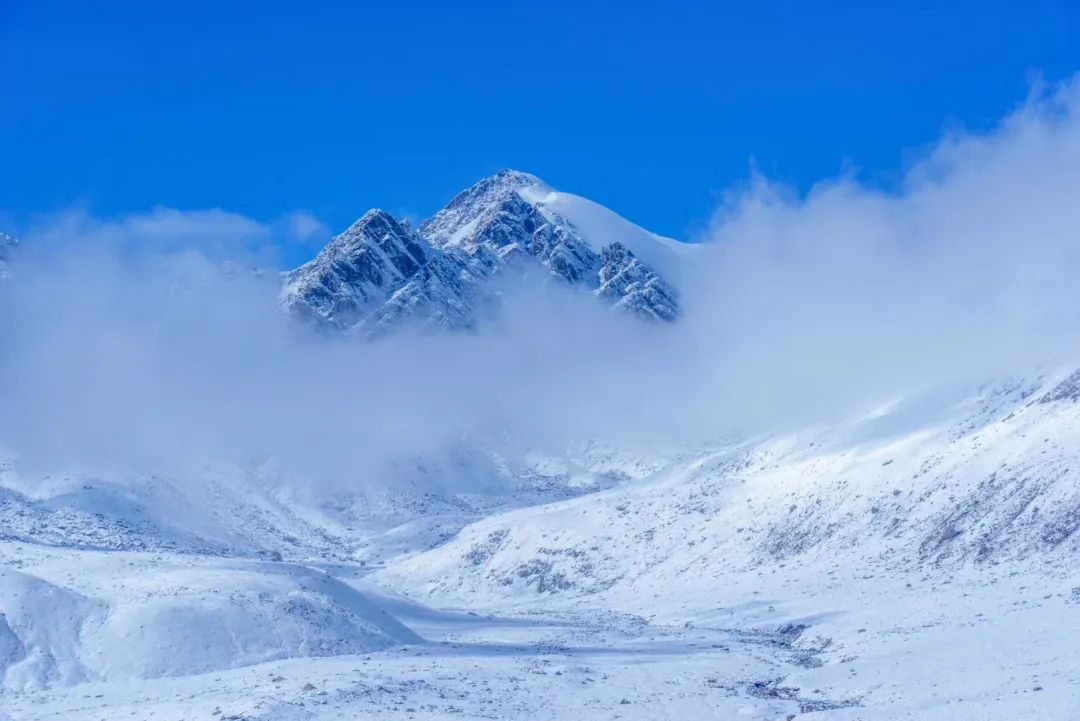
[(304, 227), (967, 269), (214, 232), (798, 308)]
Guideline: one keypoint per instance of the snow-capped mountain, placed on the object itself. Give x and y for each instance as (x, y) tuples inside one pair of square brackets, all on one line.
[(380, 271), (838, 571)]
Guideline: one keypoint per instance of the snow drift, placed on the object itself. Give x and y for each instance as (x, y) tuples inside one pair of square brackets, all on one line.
[(75, 616)]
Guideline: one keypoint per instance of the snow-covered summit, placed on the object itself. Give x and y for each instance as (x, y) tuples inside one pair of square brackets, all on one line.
[(380, 270), (458, 223), (462, 222)]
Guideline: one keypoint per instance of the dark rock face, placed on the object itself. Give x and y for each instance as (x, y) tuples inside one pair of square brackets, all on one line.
[(634, 286), (1067, 390), (374, 273), (493, 215), (381, 273)]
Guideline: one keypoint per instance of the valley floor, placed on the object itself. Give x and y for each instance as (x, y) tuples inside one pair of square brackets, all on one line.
[(471, 667), (986, 645), (917, 564)]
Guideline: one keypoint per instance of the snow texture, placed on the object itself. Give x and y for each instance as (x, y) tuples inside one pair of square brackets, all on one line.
[(916, 562)]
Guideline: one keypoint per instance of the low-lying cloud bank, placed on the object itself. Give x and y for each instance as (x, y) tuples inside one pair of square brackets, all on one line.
[(967, 269), (129, 342)]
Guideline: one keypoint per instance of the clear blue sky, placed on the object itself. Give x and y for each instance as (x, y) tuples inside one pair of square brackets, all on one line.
[(649, 108)]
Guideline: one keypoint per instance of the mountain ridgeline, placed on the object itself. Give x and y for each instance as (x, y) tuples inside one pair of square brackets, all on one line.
[(381, 272)]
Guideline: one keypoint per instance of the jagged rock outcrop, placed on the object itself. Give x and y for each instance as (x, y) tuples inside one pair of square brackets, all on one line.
[(634, 285), (494, 216), (377, 272)]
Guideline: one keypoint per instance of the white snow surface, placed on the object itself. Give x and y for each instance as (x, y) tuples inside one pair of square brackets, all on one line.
[(917, 562), (600, 225)]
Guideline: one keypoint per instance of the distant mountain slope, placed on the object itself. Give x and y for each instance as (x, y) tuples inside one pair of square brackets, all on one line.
[(943, 480), (380, 272)]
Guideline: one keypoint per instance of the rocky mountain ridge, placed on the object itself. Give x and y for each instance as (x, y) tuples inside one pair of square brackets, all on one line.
[(381, 272)]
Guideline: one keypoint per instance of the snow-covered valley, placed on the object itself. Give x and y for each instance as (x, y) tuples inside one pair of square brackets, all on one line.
[(824, 467), (913, 563)]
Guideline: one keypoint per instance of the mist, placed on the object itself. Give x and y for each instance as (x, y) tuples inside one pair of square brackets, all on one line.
[(823, 304), (147, 341)]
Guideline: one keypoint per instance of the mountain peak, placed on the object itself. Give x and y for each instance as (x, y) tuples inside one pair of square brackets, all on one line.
[(380, 269), (492, 189), (515, 177), (357, 271), (373, 216)]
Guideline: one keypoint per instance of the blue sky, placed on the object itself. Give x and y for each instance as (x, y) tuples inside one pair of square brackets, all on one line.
[(332, 108)]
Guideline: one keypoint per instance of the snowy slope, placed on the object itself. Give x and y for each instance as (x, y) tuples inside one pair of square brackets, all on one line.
[(600, 227), (924, 552), (73, 616), (223, 509), (913, 563), (936, 481)]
